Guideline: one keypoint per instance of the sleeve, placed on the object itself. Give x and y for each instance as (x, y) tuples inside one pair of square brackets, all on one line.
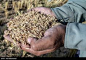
[(82, 54), (72, 11), (75, 37)]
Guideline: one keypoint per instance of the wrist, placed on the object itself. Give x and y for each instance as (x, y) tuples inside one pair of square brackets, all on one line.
[(52, 13), (63, 34), (62, 30)]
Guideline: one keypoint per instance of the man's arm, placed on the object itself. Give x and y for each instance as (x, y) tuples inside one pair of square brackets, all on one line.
[(72, 11), (75, 36), (82, 54)]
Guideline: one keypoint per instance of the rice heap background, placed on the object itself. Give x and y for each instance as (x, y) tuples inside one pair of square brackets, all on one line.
[(11, 9)]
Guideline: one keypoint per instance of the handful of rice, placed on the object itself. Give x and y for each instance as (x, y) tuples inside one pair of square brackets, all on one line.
[(30, 24)]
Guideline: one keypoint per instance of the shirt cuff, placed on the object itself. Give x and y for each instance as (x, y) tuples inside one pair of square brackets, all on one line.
[(82, 53), (56, 13), (70, 37), (67, 42), (75, 36)]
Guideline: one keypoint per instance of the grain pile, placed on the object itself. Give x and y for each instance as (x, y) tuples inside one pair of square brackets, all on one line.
[(31, 24)]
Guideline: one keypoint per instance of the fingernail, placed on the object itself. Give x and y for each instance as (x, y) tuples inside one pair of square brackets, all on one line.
[(27, 48)]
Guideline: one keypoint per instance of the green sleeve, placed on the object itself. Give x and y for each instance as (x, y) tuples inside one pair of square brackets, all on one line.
[(75, 37), (82, 54), (72, 11)]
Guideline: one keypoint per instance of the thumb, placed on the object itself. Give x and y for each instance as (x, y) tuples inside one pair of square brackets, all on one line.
[(31, 40)]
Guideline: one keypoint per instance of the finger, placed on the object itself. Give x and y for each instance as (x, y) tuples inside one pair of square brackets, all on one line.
[(39, 9), (41, 44), (37, 53), (5, 32), (32, 9), (25, 46), (12, 41), (8, 38), (31, 40)]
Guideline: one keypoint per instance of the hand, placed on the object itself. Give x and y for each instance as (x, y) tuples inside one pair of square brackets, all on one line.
[(44, 10), (7, 37), (52, 40)]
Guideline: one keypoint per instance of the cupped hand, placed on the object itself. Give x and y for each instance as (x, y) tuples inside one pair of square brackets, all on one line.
[(52, 40), (44, 10), (7, 37)]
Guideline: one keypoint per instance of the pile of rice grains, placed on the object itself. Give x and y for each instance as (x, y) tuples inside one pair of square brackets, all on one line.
[(31, 24)]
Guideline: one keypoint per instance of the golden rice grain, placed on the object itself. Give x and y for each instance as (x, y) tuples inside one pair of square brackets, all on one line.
[(31, 24)]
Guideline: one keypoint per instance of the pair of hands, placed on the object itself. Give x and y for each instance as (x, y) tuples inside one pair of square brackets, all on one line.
[(52, 40)]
